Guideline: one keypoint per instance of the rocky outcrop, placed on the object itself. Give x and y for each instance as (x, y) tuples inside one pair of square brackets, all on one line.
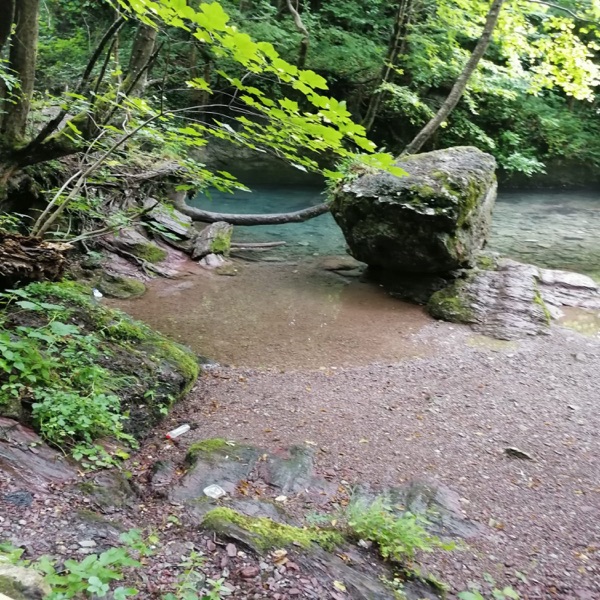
[(213, 239), (28, 464), (22, 583), (511, 300), (434, 220)]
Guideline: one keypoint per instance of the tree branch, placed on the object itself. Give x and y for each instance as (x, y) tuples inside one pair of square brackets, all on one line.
[(197, 214), (53, 124), (565, 10)]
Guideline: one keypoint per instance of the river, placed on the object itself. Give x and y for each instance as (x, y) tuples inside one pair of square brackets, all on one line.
[(285, 311), (555, 229)]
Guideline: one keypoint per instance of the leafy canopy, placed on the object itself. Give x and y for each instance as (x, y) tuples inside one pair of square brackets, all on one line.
[(296, 127)]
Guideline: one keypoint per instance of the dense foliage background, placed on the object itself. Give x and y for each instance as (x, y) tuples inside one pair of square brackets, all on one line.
[(531, 102)]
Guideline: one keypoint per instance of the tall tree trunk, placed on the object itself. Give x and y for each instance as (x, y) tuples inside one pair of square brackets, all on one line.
[(460, 84), (141, 53), (21, 61), (7, 12), (305, 42), (396, 42)]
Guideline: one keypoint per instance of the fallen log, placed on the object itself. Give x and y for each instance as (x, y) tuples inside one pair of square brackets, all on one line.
[(205, 216)]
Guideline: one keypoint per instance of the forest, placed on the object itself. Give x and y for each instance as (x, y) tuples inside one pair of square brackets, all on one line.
[(111, 114)]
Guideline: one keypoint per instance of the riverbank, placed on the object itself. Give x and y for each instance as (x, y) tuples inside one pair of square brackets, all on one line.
[(447, 418), (450, 417)]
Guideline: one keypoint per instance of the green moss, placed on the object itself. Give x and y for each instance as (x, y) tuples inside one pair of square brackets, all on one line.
[(149, 252), (11, 588), (205, 448), (449, 304), (222, 243), (118, 326), (266, 533), (486, 263), (180, 357), (121, 287), (539, 300)]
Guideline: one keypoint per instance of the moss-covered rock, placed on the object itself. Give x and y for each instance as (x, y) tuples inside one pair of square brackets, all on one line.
[(262, 533), (21, 583), (148, 372), (133, 241), (452, 304), (121, 287), (505, 302), (434, 220), (207, 449), (149, 252)]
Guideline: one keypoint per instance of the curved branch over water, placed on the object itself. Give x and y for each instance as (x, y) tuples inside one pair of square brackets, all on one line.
[(204, 216)]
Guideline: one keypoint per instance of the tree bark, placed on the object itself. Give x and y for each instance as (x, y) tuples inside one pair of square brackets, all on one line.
[(305, 42), (21, 61), (141, 53), (7, 12), (460, 84), (398, 35), (204, 216)]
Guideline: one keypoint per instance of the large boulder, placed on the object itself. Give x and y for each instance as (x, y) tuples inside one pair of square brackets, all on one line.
[(433, 220)]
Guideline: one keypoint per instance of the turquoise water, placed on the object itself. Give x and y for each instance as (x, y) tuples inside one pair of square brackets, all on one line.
[(552, 229)]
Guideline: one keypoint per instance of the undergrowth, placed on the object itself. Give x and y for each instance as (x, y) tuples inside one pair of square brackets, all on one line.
[(52, 367), (398, 538), (59, 369), (96, 575)]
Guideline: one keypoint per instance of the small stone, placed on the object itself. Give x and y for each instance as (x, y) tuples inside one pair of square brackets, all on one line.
[(580, 357), (87, 543), (294, 592), (513, 452), (249, 572), (211, 546), (231, 550), (214, 491)]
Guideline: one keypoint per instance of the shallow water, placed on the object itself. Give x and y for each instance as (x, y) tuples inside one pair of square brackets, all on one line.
[(558, 230), (282, 315), (292, 314)]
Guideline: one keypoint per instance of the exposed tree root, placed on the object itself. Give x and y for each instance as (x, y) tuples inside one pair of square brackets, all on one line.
[(26, 259)]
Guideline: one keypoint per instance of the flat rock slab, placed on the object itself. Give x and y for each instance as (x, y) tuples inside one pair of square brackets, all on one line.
[(225, 467), (513, 300), (361, 578), (438, 504), (27, 462), (168, 218), (110, 490), (291, 471)]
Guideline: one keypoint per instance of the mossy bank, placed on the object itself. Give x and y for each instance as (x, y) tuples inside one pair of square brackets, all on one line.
[(63, 351)]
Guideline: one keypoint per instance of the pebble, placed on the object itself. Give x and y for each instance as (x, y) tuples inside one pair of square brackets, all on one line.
[(87, 543), (249, 572)]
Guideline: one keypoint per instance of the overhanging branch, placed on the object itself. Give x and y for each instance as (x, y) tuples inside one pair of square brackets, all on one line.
[(204, 216)]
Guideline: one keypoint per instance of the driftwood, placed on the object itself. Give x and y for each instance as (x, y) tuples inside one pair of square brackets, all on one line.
[(204, 216), (26, 259)]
